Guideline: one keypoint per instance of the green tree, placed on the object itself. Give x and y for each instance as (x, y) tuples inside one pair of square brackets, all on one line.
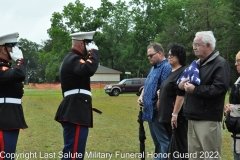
[(174, 26), (60, 46), (30, 51), (205, 15), (219, 17), (114, 36), (183, 18), (232, 39), (44, 54), (148, 22), (125, 30), (75, 17)]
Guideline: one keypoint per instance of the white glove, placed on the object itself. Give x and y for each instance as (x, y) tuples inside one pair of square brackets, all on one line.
[(91, 45), (16, 53)]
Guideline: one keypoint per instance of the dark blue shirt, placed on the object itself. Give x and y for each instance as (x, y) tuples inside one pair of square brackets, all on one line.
[(156, 76)]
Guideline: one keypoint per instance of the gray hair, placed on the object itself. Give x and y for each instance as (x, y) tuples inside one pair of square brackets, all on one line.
[(156, 46), (207, 37)]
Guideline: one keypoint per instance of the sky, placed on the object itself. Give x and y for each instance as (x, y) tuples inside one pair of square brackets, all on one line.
[(31, 18)]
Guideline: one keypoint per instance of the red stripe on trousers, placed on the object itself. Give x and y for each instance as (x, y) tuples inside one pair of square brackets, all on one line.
[(75, 146), (1, 145)]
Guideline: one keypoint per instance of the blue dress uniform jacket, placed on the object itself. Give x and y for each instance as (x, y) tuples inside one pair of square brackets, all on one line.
[(11, 86), (75, 73)]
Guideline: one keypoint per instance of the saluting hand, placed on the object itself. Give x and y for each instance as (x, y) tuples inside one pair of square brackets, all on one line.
[(91, 45), (16, 53)]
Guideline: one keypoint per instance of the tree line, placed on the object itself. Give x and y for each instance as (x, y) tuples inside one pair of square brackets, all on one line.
[(125, 29)]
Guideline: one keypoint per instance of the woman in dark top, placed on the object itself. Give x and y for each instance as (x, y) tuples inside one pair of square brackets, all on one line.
[(171, 98)]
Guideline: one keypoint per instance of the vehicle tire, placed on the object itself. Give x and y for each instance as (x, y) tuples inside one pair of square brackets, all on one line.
[(115, 92), (110, 94)]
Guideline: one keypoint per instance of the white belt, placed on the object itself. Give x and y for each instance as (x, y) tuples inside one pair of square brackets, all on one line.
[(76, 91), (10, 100)]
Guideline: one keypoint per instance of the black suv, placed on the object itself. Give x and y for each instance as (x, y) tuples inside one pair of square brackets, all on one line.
[(134, 85)]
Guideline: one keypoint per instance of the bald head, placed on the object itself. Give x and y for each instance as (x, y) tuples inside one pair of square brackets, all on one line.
[(76, 42), (238, 55), (79, 46)]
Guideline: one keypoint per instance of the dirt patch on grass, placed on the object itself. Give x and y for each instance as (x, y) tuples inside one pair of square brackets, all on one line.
[(58, 86)]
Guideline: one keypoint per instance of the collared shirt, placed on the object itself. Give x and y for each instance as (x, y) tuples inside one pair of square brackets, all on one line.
[(156, 76), (205, 60)]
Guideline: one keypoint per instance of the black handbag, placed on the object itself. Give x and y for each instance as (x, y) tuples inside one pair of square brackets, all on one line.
[(232, 123), (173, 148)]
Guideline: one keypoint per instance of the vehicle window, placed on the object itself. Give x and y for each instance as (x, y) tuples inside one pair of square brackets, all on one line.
[(122, 81), (136, 82), (128, 82)]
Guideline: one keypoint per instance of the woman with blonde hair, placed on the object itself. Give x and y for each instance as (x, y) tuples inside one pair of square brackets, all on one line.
[(232, 108)]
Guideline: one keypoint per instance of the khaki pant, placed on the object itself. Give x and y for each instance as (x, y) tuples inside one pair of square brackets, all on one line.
[(204, 140)]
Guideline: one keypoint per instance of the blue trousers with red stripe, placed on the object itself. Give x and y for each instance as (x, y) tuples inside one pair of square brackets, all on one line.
[(8, 143), (75, 139)]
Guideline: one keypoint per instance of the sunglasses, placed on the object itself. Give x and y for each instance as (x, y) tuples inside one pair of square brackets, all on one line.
[(151, 55)]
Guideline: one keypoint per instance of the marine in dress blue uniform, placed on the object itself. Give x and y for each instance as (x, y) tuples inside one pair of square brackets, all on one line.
[(75, 110), (11, 92)]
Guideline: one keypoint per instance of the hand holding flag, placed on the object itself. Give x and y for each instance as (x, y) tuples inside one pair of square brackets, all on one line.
[(191, 73)]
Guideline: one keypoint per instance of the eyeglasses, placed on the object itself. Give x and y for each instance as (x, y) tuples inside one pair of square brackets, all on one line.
[(170, 55), (151, 55), (196, 45), (238, 61)]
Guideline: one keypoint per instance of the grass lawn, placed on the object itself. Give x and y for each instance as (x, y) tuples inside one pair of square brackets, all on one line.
[(114, 132)]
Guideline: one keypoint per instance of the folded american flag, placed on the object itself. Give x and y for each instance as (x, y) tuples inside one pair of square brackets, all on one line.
[(192, 73)]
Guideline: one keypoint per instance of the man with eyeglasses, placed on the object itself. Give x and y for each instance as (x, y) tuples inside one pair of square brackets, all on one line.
[(148, 98), (11, 92), (203, 104)]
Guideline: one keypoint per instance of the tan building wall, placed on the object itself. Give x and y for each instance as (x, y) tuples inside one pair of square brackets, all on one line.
[(105, 78)]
